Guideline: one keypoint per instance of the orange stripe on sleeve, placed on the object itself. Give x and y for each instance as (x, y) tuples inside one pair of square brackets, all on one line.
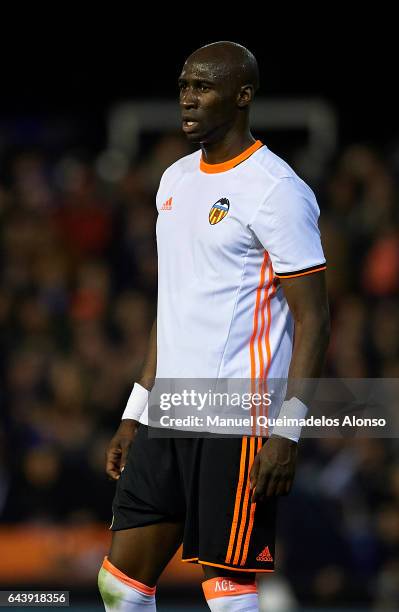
[(301, 273)]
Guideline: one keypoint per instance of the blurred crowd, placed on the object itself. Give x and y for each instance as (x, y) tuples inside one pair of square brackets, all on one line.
[(77, 298)]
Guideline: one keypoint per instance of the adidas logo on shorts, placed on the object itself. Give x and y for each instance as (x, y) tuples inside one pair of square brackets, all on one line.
[(265, 555)]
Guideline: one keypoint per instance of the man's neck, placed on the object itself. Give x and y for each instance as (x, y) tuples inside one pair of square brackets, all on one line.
[(226, 149)]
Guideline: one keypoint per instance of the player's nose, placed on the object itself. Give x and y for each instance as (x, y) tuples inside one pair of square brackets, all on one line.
[(188, 99)]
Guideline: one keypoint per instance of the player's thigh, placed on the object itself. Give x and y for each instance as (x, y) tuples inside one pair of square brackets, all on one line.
[(142, 553)]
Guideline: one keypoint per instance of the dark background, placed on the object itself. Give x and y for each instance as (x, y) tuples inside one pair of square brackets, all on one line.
[(82, 67)]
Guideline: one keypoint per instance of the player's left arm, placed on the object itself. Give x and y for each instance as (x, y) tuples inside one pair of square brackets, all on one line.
[(273, 470)]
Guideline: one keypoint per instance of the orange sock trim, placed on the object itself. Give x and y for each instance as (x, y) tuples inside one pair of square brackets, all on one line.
[(226, 587), (135, 584)]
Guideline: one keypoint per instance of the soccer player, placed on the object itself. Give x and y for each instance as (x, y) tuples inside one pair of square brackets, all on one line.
[(240, 268)]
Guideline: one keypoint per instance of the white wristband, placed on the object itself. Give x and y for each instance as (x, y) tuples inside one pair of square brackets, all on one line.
[(137, 403), (291, 412)]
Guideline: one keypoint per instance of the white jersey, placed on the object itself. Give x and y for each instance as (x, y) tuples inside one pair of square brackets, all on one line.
[(226, 234)]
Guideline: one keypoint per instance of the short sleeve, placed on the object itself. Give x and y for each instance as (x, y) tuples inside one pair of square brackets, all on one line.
[(286, 224)]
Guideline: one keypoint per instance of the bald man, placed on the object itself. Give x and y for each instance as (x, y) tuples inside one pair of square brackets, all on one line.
[(240, 267)]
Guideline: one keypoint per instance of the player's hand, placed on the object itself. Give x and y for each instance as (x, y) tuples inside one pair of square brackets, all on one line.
[(273, 470), (118, 448)]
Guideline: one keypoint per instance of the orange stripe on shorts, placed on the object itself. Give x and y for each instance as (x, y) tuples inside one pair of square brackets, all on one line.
[(244, 511), (240, 486)]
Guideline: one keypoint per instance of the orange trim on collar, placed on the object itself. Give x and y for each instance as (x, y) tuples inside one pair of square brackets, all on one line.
[(228, 165)]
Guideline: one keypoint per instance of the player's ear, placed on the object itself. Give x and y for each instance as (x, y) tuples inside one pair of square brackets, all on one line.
[(245, 95)]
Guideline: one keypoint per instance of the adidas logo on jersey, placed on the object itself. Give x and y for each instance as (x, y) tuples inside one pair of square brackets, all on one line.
[(167, 205), (265, 555)]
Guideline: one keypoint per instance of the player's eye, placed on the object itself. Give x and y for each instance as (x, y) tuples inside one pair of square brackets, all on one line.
[(204, 88)]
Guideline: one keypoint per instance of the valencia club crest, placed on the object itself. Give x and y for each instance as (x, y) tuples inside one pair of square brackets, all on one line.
[(218, 211)]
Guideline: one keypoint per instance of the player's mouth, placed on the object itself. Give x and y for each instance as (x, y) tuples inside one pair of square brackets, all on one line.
[(189, 126)]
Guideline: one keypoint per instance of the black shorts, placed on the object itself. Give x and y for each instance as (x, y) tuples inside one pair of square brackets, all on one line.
[(204, 483)]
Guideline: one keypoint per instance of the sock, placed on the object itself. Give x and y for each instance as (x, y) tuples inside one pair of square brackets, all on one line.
[(123, 594), (231, 595)]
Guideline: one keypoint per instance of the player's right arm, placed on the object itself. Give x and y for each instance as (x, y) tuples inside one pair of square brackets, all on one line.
[(117, 450)]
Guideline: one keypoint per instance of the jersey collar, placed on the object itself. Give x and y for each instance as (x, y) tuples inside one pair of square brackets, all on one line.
[(231, 163)]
